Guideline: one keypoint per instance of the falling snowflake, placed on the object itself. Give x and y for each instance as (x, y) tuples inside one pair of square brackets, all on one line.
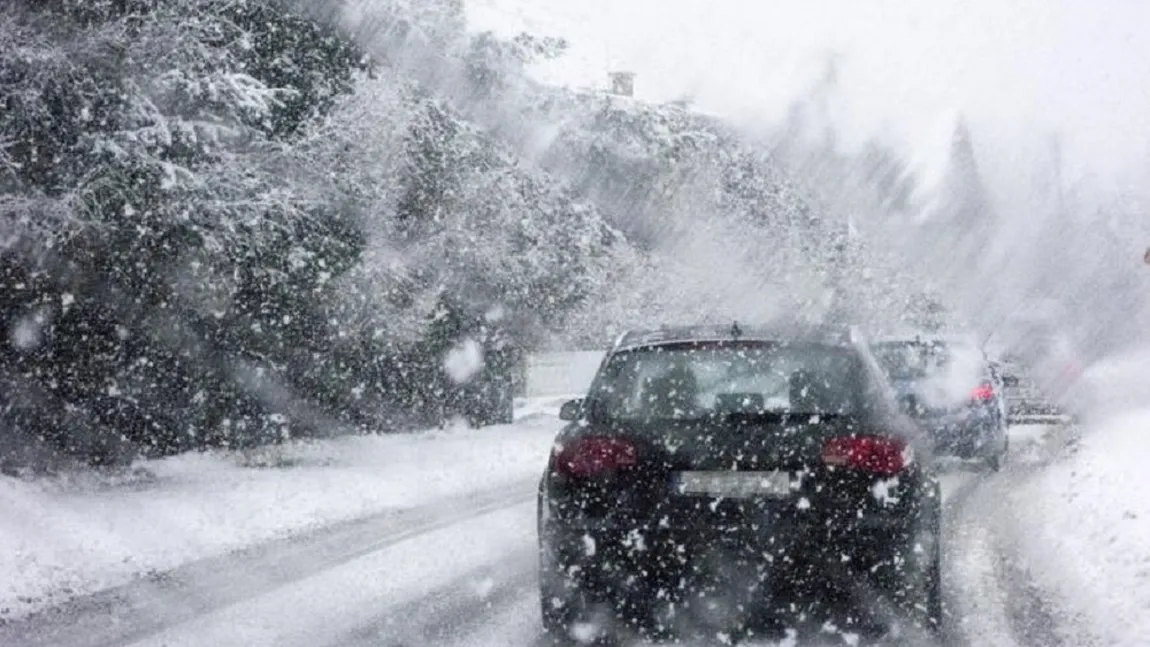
[(464, 361)]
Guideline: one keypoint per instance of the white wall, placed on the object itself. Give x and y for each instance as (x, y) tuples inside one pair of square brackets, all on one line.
[(561, 373)]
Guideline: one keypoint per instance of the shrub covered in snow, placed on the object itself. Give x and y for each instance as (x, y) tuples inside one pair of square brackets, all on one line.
[(152, 235)]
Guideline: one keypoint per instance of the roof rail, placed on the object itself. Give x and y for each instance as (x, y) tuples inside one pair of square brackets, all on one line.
[(621, 338)]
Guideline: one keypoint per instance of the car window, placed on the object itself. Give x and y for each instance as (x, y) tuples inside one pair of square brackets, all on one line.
[(940, 375), (912, 360), (916, 360), (686, 381)]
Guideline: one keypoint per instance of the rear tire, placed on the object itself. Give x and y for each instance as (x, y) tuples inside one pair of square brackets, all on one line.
[(997, 443), (559, 601), (557, 619), (933, 616), (994, 462), (921, 595), (562, 614)]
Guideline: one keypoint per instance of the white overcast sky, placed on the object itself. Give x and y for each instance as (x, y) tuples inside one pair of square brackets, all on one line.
[(1018, 70)]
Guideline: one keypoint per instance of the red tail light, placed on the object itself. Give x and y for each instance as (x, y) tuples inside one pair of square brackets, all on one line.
[(594, 455), (982, 393), (880, 455)]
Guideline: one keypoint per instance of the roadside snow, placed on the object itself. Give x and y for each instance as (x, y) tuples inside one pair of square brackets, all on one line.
[(1087, 522), (70, 536), (336, 602)]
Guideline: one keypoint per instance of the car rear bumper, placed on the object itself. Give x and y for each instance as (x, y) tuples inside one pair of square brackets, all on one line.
[(666, 560)]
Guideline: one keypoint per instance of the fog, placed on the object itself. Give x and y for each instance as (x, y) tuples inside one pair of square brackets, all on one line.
[(1019, 72), (1054, 95)]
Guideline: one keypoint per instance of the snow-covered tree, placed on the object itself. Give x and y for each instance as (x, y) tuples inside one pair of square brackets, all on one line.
[(148, 133), (224, 224)]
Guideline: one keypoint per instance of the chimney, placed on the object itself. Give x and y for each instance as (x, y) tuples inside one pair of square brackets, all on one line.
[(623, 83)]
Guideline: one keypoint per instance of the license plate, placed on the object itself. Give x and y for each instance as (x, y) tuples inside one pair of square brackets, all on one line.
[(734, 485)]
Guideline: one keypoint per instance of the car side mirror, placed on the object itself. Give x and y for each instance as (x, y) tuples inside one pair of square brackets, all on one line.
[(1010, 380), (571, 410)]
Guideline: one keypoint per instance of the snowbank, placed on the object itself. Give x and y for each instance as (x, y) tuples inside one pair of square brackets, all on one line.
[(70, 536), (1117, 384), (1087, 522)]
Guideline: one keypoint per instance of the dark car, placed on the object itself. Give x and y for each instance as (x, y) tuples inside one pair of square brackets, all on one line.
[(955, 390), (710, 476)]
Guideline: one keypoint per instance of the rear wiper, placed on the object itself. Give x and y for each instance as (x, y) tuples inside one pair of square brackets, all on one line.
[(821, 415), (755, 416)]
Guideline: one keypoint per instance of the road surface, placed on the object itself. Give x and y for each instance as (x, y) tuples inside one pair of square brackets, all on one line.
[(461, 573)]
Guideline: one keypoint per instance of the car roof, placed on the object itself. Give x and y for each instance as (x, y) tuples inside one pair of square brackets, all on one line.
[(820, 334)]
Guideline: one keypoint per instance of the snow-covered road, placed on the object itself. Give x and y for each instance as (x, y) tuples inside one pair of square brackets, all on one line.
[(429, 539), (461, 572)]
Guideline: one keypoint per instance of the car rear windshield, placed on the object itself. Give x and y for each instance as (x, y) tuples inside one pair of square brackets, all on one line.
[(703, 379)]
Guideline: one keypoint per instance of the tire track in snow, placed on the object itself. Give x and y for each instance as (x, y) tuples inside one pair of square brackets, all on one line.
[(971, 598), (993, 598), (337, 601), (1032, 617), (145, 607), (462, 608), (975, 610)]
